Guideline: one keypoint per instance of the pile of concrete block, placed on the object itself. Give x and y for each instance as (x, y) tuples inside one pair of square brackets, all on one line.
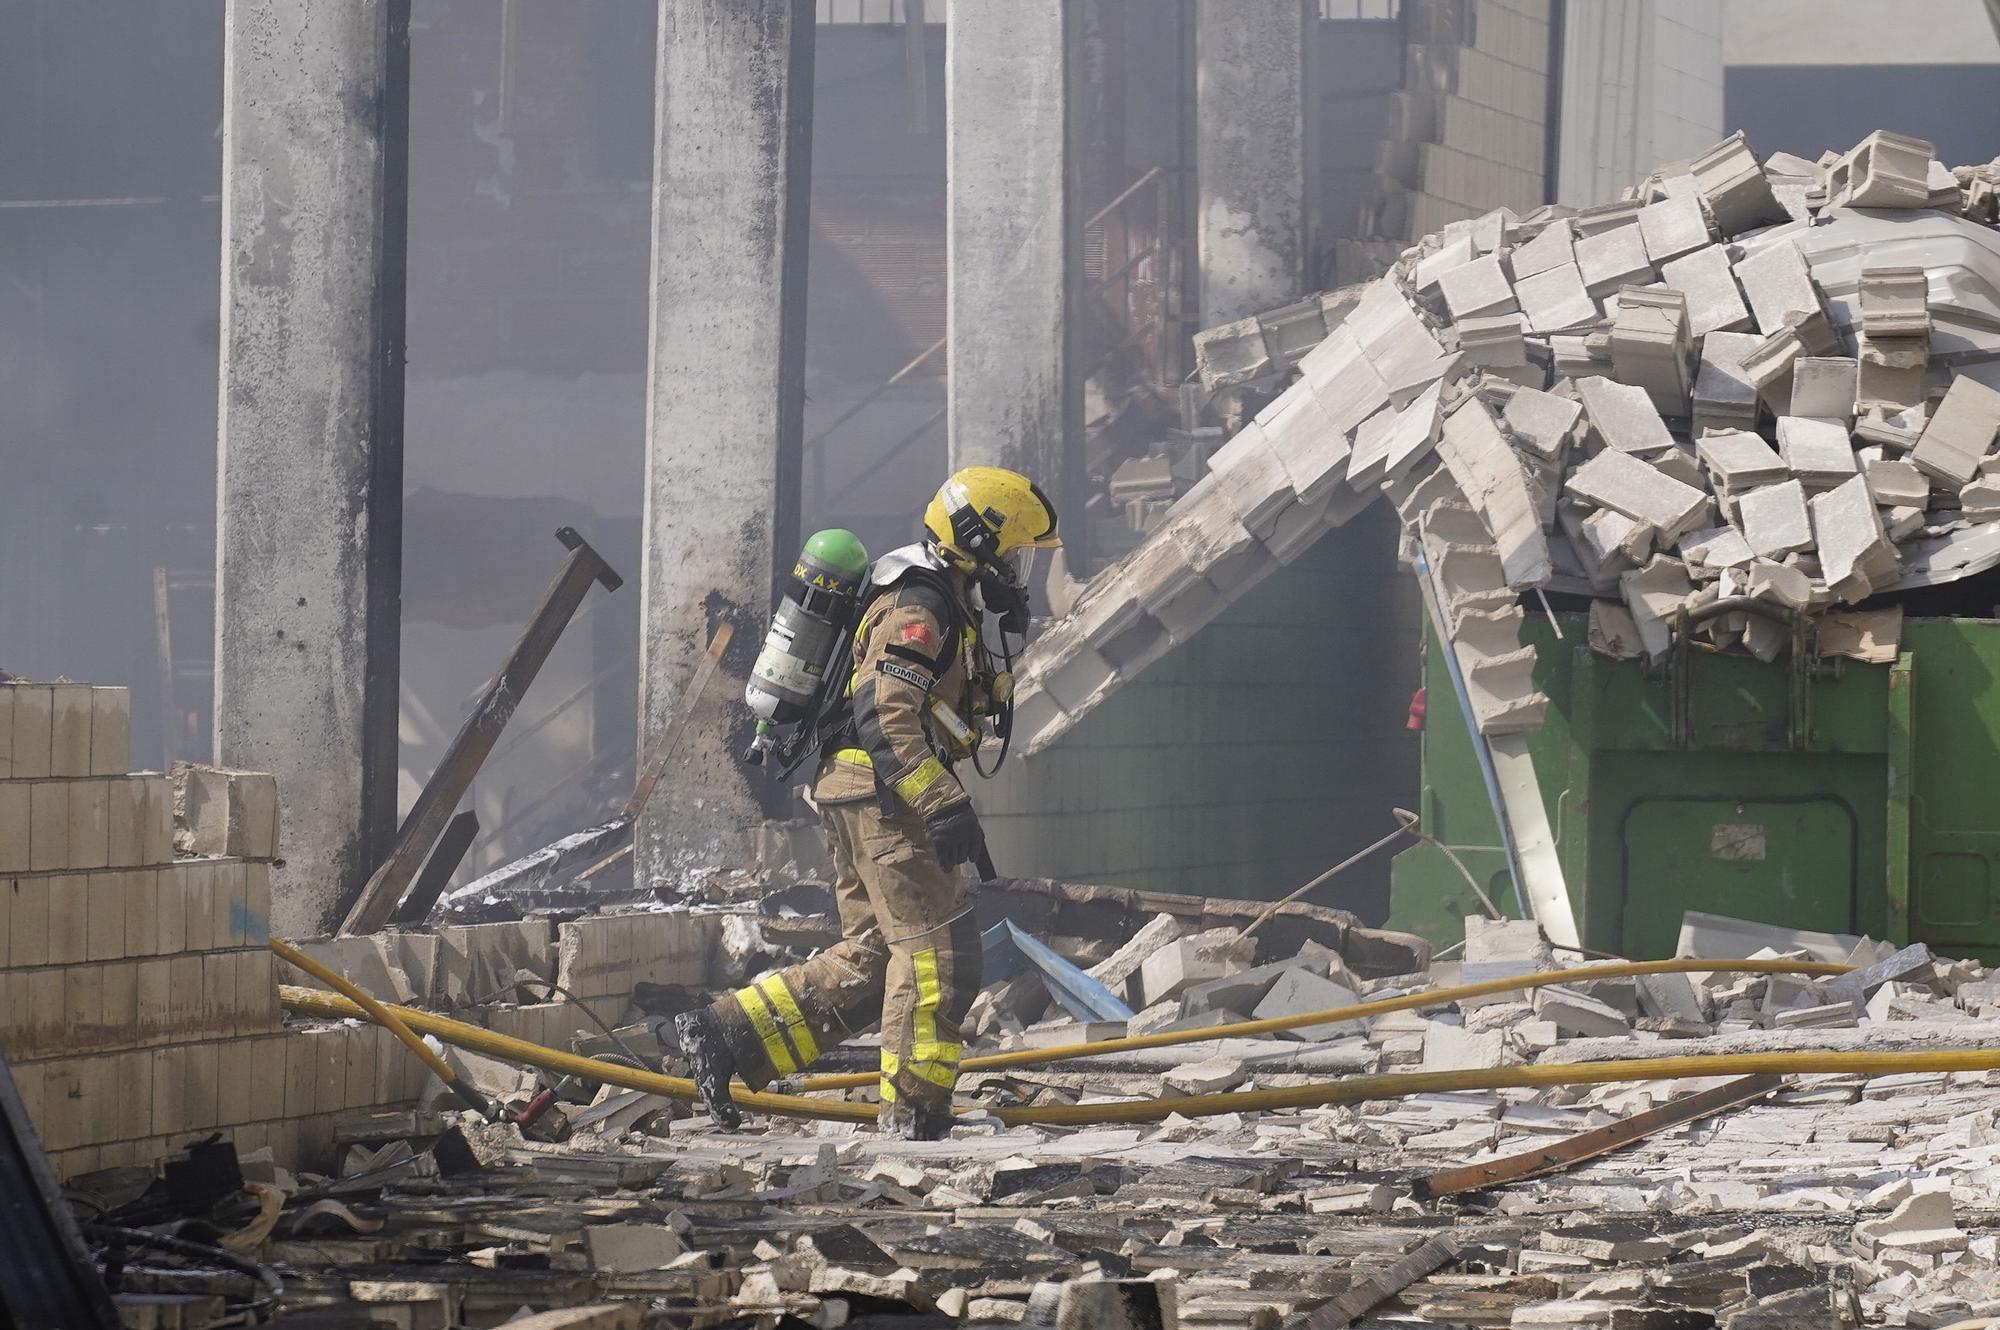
[(1243, 351), (534, 979), (138, 1008), (1745, 393), (1179, 982)]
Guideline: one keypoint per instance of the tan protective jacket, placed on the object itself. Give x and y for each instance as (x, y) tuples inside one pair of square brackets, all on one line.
[(900, 666)]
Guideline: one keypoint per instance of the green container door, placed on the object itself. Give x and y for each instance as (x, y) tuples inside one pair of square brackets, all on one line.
[(1790, 862), (1951, 696)]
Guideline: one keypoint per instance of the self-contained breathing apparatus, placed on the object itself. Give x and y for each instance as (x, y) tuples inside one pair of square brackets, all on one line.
[(799, 683)]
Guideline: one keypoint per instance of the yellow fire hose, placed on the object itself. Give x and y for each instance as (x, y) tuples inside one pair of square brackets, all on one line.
[(1351, 1089), (1434, 997), (383, 1016)]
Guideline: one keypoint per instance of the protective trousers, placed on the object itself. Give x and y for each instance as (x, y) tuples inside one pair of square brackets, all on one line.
[(908, 954)]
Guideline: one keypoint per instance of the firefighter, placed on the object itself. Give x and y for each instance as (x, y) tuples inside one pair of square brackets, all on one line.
[(897, 820)]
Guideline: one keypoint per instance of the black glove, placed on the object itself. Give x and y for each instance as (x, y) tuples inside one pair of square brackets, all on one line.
[(955, 835)]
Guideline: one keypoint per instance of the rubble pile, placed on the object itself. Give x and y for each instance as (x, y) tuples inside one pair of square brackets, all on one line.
[(1745, 392), (1820, 1200)]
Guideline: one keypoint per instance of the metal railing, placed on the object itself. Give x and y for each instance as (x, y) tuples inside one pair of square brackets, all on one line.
[(1132, 305)]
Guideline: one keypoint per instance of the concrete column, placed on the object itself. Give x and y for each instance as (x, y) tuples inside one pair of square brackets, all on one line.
[(310, 441), (1012, 235), (725, 398), (1251, 94)]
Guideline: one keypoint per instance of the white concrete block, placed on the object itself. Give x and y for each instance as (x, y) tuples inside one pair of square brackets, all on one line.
[(1312, 448), (1622, 416), (1732, 181), (1478, 287), (1775, 519), (1724, 396), (1613, 632), (1577, 1015), (1192, 960), (1297, 992), (1392, 335), (1895, 302), (1739, 459), (1612, 259), (1654, 594), (1960, 432), (1885, 170), (1642, 492), (1453, 253), (1855, 553), (1715, 302), (1819, 452), (1490, 475), (1775, 280), (1673, 227), (1542, 421), (1824, 386), (1555, 299), (1716, 548), (1779, 583), (1453, 1048), (1553, 247)]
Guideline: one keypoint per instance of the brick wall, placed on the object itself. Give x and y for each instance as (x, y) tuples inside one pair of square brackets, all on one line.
[(138, 998), (138, 1009)]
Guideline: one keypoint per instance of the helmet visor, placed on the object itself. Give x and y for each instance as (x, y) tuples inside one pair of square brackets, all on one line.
[(1020, 563)]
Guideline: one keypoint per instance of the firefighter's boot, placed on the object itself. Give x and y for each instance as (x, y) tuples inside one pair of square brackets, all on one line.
[(901, 1120), (711, 1064)]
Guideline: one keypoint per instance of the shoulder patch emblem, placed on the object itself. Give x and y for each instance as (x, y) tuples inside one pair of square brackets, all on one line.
[(918, 632)]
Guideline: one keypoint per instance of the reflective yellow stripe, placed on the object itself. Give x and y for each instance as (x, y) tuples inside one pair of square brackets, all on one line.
[(858, 756), (931, 1058), (761, 1020), (944, 1075), (891, 1064), (929, 994), (888, 1091), (909, 788), (795, 1020)]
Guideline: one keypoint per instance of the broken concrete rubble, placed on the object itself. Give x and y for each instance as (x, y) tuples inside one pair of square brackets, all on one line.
[(1238, 1218), (1250, 1216)]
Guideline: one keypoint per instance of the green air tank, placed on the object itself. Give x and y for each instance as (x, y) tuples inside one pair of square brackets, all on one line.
[(812, 621), (1814, 792)]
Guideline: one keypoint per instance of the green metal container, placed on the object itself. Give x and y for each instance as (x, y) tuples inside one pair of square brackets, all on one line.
[(1814, 793)]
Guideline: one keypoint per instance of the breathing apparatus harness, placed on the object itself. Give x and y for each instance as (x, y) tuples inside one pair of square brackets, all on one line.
[(817, 709)]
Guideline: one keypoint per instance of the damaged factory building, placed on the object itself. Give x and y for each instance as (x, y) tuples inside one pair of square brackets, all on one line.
[(1205, 663)]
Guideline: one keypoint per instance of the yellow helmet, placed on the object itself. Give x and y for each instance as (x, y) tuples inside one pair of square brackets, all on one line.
[(983, 514)]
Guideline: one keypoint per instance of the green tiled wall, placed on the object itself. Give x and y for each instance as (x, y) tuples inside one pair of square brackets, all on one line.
[(1249, 760)]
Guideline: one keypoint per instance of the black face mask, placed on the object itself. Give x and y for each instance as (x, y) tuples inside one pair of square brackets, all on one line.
[(1005, 598)]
